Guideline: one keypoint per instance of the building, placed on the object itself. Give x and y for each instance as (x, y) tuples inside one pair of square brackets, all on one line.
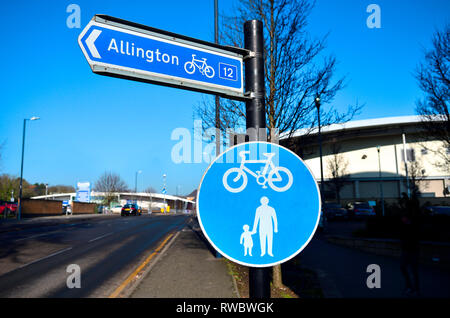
[(365, 160), (145, 200)]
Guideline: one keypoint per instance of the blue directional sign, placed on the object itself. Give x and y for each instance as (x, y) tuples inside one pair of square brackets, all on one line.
[(258, 204), (83, 193), (120, 48)]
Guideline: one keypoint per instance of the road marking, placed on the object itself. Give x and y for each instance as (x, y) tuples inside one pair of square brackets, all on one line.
[(31, 237), (100, 237), (136, 272), (48, 233), (45, 257)]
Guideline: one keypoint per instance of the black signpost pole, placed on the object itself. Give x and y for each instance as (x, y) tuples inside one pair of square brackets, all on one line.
[(259, 280), (254, 79)]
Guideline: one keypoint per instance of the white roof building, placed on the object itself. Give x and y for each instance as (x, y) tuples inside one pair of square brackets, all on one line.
[(354, 147), (143, 199)]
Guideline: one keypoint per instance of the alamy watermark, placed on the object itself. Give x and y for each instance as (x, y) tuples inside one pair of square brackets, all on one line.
[(73, 21), (374, 19), (374, 279), (74, 279), (200, 147)]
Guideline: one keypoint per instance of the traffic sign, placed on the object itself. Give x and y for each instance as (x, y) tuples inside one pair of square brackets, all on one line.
[(258, 204), (83, 193), (124, 49)]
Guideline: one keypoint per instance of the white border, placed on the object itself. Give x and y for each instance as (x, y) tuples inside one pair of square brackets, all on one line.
[(134, 71), (249, 264)]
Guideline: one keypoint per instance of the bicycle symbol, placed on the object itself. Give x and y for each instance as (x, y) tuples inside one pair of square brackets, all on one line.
[(204, 68), (262, 177)]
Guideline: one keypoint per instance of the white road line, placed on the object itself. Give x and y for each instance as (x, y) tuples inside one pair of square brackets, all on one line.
[(45, 257), (100, 237), (30, 237)]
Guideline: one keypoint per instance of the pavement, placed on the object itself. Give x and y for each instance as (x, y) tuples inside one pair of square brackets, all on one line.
[(187, 268), (342, 272)]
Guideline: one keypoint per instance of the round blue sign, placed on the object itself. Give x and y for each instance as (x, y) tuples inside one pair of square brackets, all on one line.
[(258, 204)]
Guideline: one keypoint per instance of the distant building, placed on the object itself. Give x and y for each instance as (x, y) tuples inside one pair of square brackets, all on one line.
[(354, 147), (145, 200)]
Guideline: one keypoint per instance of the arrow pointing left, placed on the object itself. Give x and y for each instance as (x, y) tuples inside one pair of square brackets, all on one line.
[(90, 43)]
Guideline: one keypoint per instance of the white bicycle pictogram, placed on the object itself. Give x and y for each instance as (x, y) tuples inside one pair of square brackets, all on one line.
[(273, 178), (204, 68)]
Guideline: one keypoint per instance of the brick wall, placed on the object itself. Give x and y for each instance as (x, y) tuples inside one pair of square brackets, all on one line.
[(83, 208), (41, 207)]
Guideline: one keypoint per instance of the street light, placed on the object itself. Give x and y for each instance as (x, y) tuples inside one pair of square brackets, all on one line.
[(408, 189), (21, 165), (135, 185), (164, 190), (317, 102), (380, 181), (135, 180)]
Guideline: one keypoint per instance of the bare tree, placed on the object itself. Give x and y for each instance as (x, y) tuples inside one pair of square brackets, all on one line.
[(60, 189), (433, 76), (416, 178), (150, 189), (295, 69), (110, 183), (337, 165)]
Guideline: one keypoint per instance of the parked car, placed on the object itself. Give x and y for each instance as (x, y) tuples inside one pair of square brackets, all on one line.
[(334, 211), (117, 209), (437, 210), (322, 221), (7, 208), (360, 210), (131, 209), (67, 209)]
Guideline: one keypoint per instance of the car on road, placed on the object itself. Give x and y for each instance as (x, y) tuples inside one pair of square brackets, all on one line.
[(437, 210), (7, 208), (117, 208), (131, 209), (67, 209), (360, 210), (322, 222), (334, 211)]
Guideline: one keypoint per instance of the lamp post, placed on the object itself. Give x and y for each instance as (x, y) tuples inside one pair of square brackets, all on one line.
[(164, 190), (21, 165), (408, 189), (135, 180), (135, 184), (380, 181), (317, 102), (217, 99)]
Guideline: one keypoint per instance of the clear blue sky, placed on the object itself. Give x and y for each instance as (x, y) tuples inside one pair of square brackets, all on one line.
[(93, 123)]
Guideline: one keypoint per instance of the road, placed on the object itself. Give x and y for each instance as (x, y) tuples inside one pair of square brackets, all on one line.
[(342, 272), (34, 261)]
